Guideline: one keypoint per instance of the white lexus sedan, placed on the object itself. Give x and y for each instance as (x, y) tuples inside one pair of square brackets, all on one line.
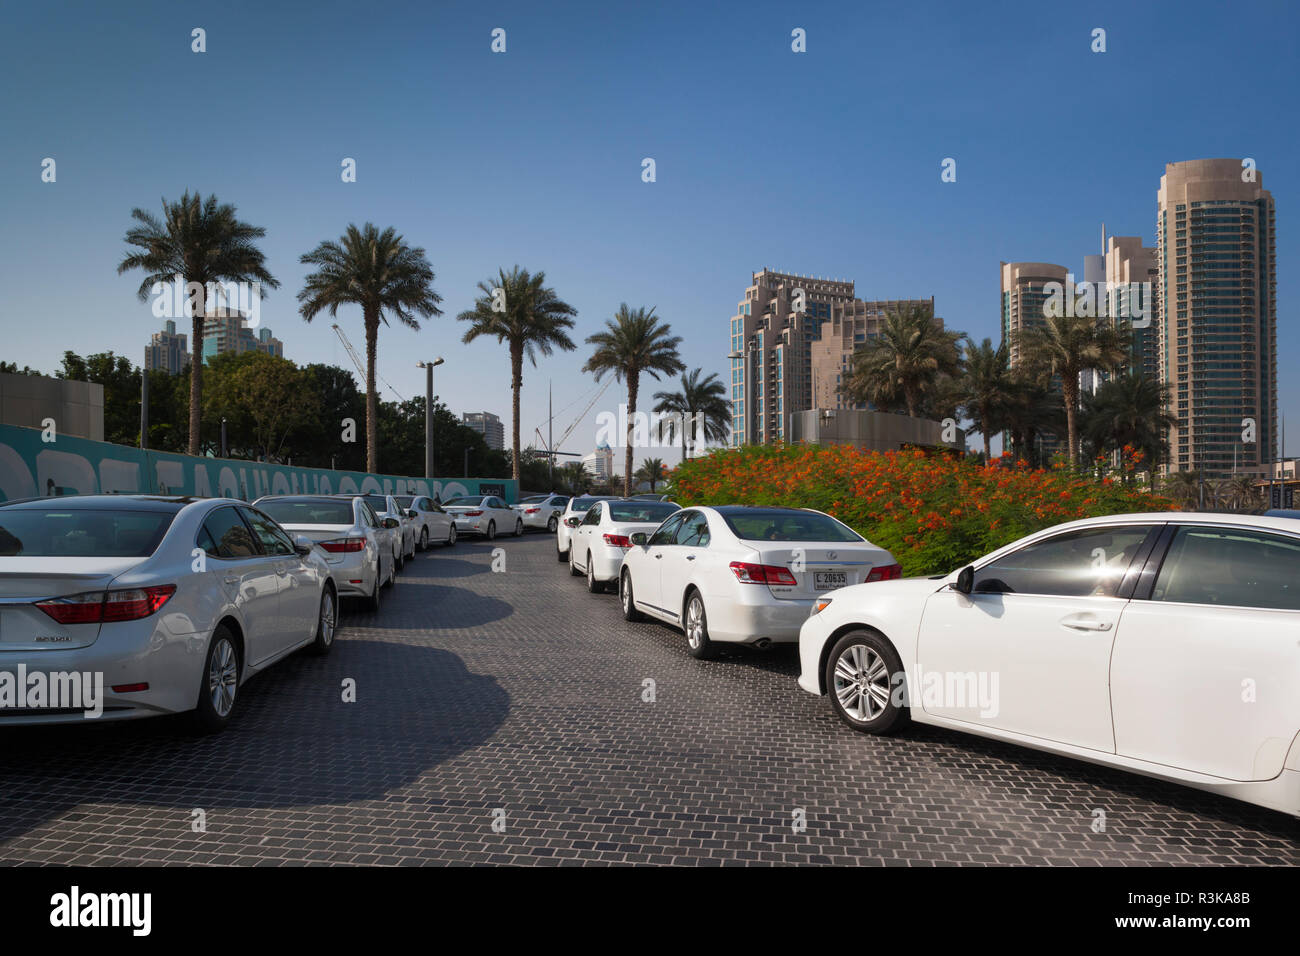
[(357, 546), (1163, 644), (744, 575), (599, 539), (386, 506), (485, 515), (432, 524), (576, 508), (542, 512), (165, 604)]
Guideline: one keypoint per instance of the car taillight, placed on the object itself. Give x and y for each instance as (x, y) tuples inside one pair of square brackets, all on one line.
[(344, 545), (473, 514), (129, 604), (886, 572), (747, 573), (531, 511), (618, 540)]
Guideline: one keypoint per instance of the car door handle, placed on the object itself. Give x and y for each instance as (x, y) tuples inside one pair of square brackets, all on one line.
[(231, 579), (659, 555), (690, 557), (1082, 624)]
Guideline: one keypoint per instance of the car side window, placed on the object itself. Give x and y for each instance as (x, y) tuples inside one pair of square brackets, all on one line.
[(694, 532), (274, 541), (593, 515), (229, 536), (1087, 563), (560, 503), (368, 515), (667, 533), (1232, 568), (496, 503)]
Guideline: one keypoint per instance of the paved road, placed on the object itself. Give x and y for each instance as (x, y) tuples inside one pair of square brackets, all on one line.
[(500, 719)]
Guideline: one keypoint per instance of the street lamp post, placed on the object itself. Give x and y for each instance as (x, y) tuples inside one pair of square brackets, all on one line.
[(428, 414)]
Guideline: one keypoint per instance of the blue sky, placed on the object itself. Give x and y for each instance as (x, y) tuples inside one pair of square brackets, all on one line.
[(824, 163)]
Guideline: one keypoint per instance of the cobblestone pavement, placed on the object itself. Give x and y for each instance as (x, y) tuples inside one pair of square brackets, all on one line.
[(500, 719)]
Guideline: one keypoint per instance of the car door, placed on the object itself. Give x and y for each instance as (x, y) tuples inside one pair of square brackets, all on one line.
[(249, 578), (299, 591), (647, 585), (680, 561), (1206, 665), (584, 536), (504, 515), (1028, 651), (383, 539)]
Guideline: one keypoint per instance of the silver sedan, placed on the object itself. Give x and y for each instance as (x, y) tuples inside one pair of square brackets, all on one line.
[(120, 606)]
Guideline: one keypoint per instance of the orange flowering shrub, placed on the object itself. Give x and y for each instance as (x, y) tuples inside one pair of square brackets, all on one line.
[(934, 512)]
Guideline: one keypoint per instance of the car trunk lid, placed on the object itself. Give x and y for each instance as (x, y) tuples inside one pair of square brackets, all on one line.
[(24, 581), (817, 567)]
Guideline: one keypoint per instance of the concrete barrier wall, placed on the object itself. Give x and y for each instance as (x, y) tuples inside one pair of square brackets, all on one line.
[(31, 466)]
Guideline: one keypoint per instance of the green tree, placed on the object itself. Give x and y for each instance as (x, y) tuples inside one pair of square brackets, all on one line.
[(381, 273), (201, 241), (322, 439), (574, 477), (1069, 346), (906, 362), (699, 401), (1184, 487), (988, 390), (121, 381), (521, 312), (269, 397), (633, 343), (651, 472), (11, 368), (1128, 410)]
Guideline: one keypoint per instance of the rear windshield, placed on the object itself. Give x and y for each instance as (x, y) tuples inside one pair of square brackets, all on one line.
[(583, 503), (655, 511), (378, 502), (403, 501), (462, 502), (82, 532), (788, 526), (534, 500), (308, 512)]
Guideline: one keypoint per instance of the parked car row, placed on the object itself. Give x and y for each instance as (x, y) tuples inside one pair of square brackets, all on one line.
[(1164, 644), (178, 601)]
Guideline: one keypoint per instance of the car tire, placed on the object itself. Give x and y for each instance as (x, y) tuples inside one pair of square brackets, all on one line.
[(519, 527), (424, 539), (372, 602), (695, 622), (630, 613), (869, 662), (594, 586), (220, 669), (491, 530), (399, 559), (552, 525), (392, 575), (451, 536), (573, 567), (561, 556), (327, 621)]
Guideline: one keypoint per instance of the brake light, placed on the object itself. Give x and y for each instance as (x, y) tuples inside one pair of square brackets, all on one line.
[(130, 604), (771, 574), (885, 572), (473, 514), (618, 540), (344, 545), (531, 511)]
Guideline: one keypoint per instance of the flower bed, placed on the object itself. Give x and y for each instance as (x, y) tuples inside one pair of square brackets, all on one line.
[(933, 512)]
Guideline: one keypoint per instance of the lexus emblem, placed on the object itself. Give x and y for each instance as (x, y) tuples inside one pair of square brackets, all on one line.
[(832, 555)]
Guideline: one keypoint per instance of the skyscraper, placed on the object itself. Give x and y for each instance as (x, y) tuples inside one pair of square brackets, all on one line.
[(1217, 340), (487, 425), (1024, 296), (167, 351), (230, 333)]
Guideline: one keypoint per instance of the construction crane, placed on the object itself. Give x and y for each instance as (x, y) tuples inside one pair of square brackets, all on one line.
[(568, 431), (356, 360)]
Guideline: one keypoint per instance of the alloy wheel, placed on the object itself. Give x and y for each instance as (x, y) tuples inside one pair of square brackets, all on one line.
[(862, 682), (223, 677)]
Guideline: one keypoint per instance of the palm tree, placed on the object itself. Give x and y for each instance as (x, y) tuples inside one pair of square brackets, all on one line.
[(634, 342), (518, 309), (699, 401), (651, 471), (1069, 345), (1184, 487), (574, 477), (381, 273), (1242, 492), (201, 241), (1128, 410), (905, 361), (987, 389)]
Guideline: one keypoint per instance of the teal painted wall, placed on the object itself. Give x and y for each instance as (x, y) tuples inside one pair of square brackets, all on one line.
[(30, 466)]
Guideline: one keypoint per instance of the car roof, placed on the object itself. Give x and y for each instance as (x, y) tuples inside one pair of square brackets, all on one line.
[(745, 509), (1190, 517), (322, 499), (162, 503)]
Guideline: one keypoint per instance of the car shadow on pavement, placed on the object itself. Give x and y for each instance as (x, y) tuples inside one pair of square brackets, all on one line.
[(294, 741), (441, 566), (414, 603)]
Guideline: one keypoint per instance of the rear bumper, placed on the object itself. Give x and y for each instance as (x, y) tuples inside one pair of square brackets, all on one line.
[(757, 616), (607, 563), (349, 568)]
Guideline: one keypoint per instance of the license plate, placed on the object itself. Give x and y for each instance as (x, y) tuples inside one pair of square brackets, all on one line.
[(828, 580)]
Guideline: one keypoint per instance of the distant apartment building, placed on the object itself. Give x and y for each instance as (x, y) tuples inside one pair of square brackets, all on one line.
[(167, 350), (230, 333), (600, 463), (1133, 269), (487, 425), (1217, 339), (1024, 297), (792, 339)]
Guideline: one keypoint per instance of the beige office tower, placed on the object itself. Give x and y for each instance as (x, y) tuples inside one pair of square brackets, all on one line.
[(1217, 343), (1132, 278), (1024, 297), (851, 324)]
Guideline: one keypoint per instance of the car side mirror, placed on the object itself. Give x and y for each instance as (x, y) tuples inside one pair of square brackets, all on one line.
[(303, 544), (573, 522), (639, 539), (965, 580), (412, 513), (391, 523)]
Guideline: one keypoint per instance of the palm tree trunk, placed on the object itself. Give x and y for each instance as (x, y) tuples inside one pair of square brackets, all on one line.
[(1070, 392), (372, 397), (632, 385), (196, 380), (516, 387)]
